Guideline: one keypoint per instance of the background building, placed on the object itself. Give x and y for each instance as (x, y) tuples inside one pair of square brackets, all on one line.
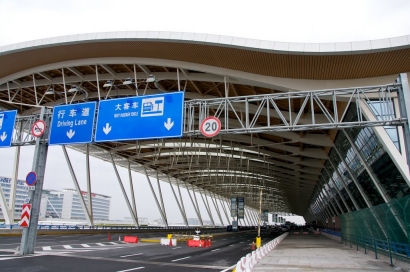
[(21, 195), (66, 205), (57, 204)]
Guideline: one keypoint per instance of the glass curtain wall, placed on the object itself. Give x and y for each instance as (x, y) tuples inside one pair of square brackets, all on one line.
[(376, 158)]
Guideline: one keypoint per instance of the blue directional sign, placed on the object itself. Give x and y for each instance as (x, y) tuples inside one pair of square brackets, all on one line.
[(72, 124), (7, 120), (140, 117)]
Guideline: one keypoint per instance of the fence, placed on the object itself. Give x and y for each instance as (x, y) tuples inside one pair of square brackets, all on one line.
[(383, 229)]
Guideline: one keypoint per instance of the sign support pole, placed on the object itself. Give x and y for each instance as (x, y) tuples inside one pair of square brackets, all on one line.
[(28, 239)]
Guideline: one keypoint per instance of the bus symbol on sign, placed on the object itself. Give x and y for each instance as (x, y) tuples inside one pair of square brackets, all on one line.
[(152, 107)]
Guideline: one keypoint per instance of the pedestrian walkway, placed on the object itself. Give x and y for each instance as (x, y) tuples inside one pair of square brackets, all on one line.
[(307, 252)]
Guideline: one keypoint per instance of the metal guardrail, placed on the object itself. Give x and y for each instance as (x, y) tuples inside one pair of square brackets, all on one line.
[(332, 232), (86, 227)]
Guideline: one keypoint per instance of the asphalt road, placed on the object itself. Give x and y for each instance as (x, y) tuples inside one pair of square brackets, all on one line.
[(95, 253)]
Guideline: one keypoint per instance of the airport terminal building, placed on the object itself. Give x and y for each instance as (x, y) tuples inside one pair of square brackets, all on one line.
[(319, 130)]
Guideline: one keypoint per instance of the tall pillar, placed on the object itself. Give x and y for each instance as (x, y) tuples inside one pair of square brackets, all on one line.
[(28, 238), (404, 102)]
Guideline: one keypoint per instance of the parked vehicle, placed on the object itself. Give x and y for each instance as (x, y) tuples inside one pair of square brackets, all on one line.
[(284, 228)]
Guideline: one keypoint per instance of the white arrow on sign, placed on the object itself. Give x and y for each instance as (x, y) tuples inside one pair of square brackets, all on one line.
[(107, 128), (3, 136), (168, 125), (70, 133)]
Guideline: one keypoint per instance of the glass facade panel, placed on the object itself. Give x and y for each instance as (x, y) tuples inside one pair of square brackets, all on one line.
[(376, 158)]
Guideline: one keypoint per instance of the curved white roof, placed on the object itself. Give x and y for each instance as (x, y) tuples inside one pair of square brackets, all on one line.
[(201, 38)]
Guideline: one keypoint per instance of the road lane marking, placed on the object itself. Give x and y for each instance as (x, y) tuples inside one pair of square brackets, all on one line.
[(67, 247), (131, 269), (176, 247), (229, 268), (47, 248), (231, 245), (113, 243), (99, 244), (175, 264), (85, 245), (12, 258), (130, 255), (180, 259), (215, 249)]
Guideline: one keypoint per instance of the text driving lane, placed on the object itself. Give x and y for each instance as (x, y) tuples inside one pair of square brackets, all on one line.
[(72, 123)]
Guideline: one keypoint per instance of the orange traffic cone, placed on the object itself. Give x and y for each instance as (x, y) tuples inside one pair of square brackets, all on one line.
[(170, 242), (253, 247)]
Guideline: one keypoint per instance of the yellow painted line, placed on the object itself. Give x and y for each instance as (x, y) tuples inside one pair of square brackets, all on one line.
[(149, 240)]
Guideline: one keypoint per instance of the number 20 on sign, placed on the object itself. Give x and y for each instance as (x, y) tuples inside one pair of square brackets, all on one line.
[(210, 126)]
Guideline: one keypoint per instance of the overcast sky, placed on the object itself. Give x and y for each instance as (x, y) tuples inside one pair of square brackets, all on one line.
[(288, 21)]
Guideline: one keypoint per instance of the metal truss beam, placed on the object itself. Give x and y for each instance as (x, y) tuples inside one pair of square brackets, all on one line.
[(315, 114)]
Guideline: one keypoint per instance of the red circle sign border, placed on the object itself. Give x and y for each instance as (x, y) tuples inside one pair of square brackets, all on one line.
[(34, 125), (30, 174), (213, 134)]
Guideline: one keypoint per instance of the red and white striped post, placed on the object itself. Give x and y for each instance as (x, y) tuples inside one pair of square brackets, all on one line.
[(25, 215)]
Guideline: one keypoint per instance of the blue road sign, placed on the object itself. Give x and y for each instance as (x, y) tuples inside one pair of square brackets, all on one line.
[(7, 120), (140, 117), (31, 178), (72, 124)]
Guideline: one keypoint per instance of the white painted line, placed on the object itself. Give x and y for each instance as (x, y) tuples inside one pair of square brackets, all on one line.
[(231, 245), (181, 259), (176, 247), (85, 245), (241, 242), (113, 243), (229, 268), (131, 269), (67, 247), (215, 249), (224, 239), (130, 255), (47, 248), (12, 258), (100, 244), (8, 255)]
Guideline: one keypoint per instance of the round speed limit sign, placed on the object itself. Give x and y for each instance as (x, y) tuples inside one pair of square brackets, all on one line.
[(210, 126)]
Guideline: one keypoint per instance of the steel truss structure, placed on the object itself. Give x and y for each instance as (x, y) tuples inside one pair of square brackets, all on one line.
[(271, 139), (232, 169), (277, 112)]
